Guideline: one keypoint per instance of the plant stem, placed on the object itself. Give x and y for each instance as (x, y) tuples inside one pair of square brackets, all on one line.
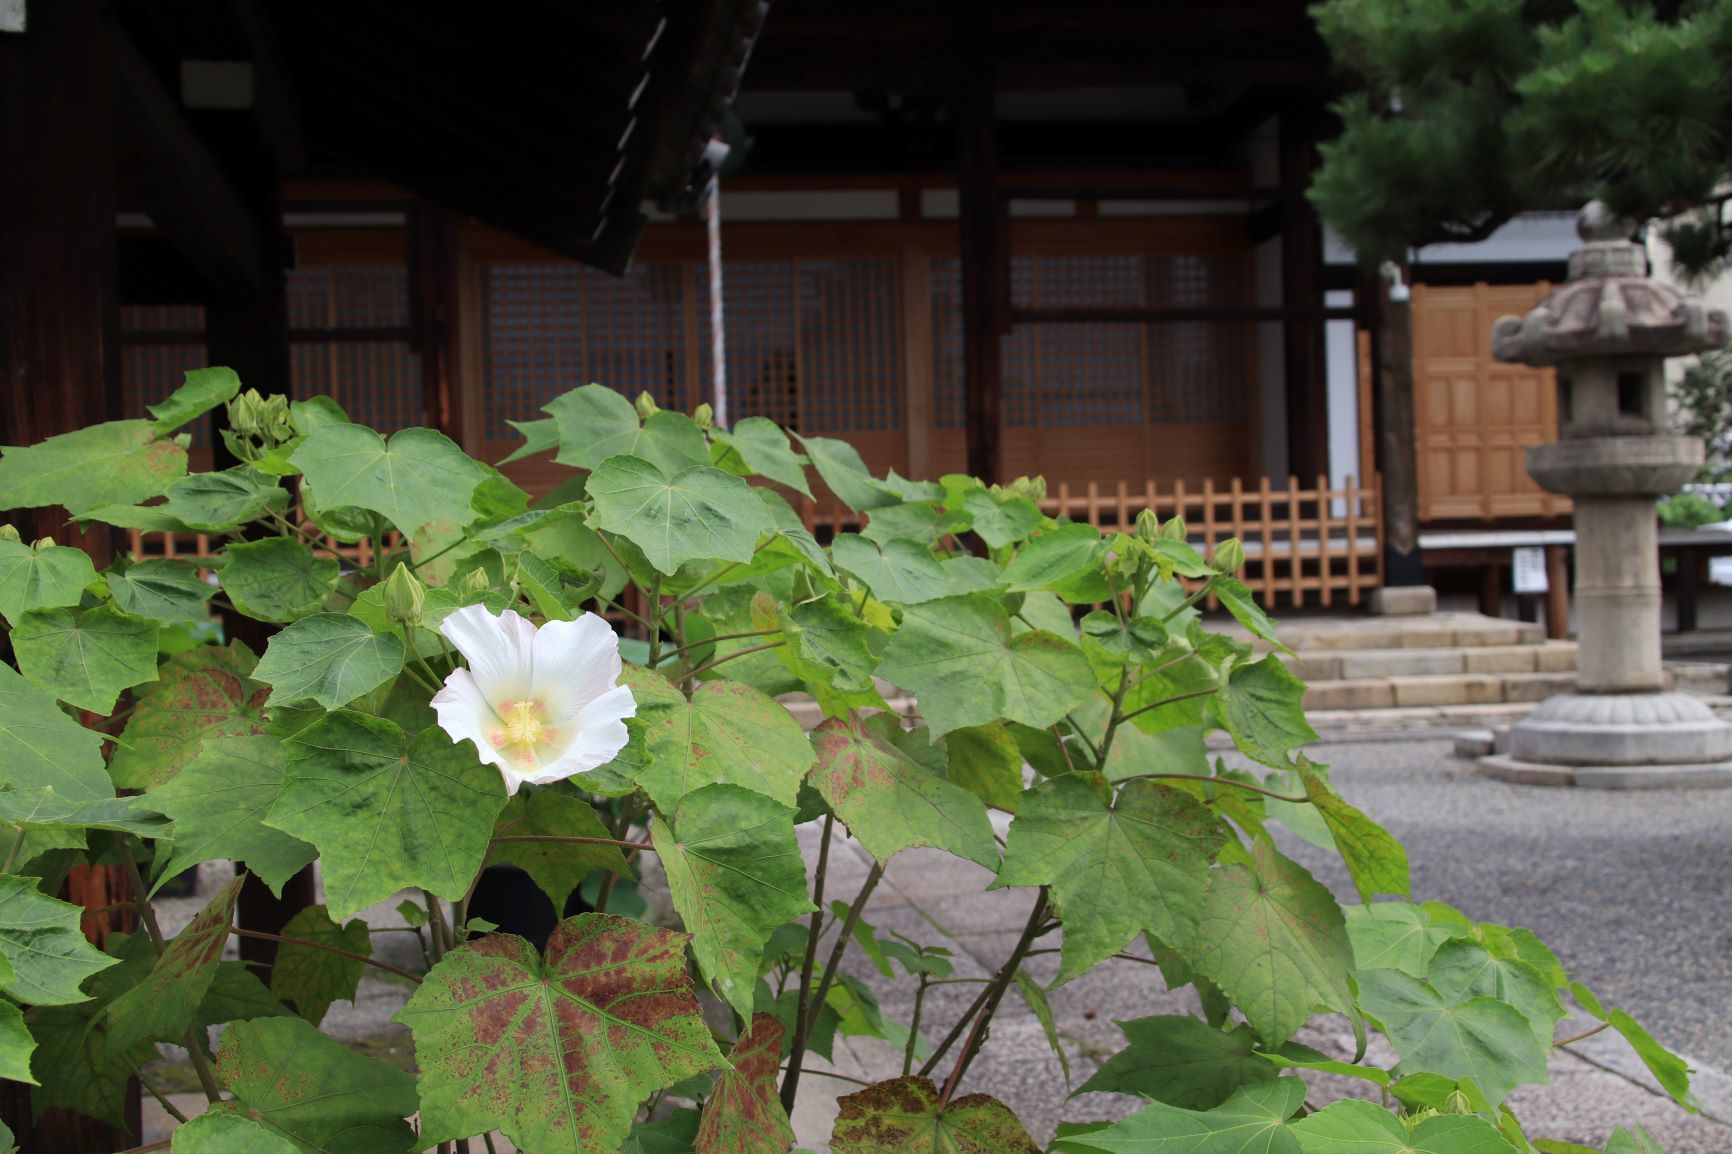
[(168, 1107), (914, 1027), (1062, 749), (702, 669), (655, 621), (12, 854), (431, 557), (436, 923), (1562, 1042), (1114, 720), (1245, 785), (1140, 710), (1201, 593), (575, 839), (1088, 744), (842, 937), (949, 1039), (262, 936), (487, 1137), (721, 637), (994, 994), (839, 1077), (797, 1054), (712, 578)]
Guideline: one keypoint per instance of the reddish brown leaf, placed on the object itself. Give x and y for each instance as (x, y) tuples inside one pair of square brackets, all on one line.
[(743, 1115), (202, 693), (902, 1116), (162, 1006)]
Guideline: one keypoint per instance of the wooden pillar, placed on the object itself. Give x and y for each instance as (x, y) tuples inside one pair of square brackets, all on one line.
[(985, 259), (1302, 296), (59, 369), (1397, 458), (433, 314)]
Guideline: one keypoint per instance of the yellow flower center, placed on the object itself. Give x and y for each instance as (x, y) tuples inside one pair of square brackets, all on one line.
[(524, 729)]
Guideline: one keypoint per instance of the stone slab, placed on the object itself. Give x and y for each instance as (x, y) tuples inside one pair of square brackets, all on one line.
[(1402, 663), (1474, 743), (1465, 689), (1403, 601), (1503, 767)]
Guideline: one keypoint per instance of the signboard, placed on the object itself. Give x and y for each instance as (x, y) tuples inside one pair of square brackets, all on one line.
[(1528, 568)]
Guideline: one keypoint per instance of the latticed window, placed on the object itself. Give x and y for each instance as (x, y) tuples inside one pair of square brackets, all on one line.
[(548, 328), (377, 379), (159, 343)]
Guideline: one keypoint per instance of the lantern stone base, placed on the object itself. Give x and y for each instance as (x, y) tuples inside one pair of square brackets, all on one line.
[(1617, 741)]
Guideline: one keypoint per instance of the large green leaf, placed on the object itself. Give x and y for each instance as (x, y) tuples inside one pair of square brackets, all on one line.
[(41, 747), (218, 803), (735, 872), (899, 572), (203, 693), (1375, 860), (1274, 940), (1055, 557), (1637, 1141), (1262, 706), (699, 514), (1461, 970), (164, 590), (220, 1132), (1393, 936), (332, 658), (387, 811), (1238, 601), (985, 760), (16, 1046), (924, 523), (1366, 1128), (235, 995), (1000, 518), (201, 391), (1253, 1121), (310, 978), (727, 733), (762, 447), (276, 579), (1182, 1061), (905, 1116), (75, 1066), (743, 1115), (830, 649), (1460, 1036), (41, 576), (841, 468), (87, 658), (556, 1051), (163, 1005), (222, 502), (418, 477), (1671, 1071), (297, 1082), (595, 422), (888, 801), (44, 809), (115, 463), (674, 1134), (958, 657), (555, 867), (1117, 867)]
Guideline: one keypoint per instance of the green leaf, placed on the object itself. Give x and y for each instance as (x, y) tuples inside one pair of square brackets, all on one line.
[(743, 1115), (311, 979), (700, 514), (41, 747), (999, 518), (221, 502), (235, 995), (891, 803), (387, 811), (1117, 867), (763, 448), (115, 463), (203, 694), (418, 477), (41, 577), (276, 579), (556, 1051), (1461, 970), (904, 1116), (294, 1080), (1366, 1128), (538, 437), (86, 658), (219, 1132), (218, 803), (596, 422), (985, 760), (163, 590), (829, 649), (1181, 1061), (958, 657), (1671, 1071), (1638, 1141), (735, 872), (332, 658), (671, 1135), (43, 808), (75, 1066), (1375, 860), (1262, 706), (727, 733), (1034, 996), (1393, 936), (162, 1006), (900, 572), (1253, 1121), (202, 391), (925, 523), (16, 1046), (1055, 557), (1459, 1037), (841, 468), (1243, 606), (1274, 940), (556, 868)]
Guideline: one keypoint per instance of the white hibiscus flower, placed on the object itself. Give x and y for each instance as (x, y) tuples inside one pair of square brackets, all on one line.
[(541, 704)]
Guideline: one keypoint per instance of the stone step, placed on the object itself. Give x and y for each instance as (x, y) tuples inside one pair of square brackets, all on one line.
[(1421, 691), (1437, 631), (1362, 664)]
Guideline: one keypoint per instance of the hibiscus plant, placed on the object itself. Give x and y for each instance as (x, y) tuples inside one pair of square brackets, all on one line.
[(657, 663)]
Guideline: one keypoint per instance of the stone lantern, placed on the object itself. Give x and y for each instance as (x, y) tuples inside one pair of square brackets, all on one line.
[(1608, 331)]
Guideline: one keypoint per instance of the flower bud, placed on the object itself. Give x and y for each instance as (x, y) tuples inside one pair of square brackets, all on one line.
[(1229, 556), (404, 596), (1457, 1103), (243, 411), (704, 415), (473, 582), (1173, 530), (1148, 525), (9, 533), (646, 407), (42, 543)]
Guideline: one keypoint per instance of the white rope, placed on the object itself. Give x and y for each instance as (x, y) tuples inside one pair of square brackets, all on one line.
[(718, 338)]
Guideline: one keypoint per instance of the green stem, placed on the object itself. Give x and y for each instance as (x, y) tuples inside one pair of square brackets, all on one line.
[(994, 995), (168, 1107), (842, 937), (432, 557), (913, 1028), (436, 923), (1245, 785), (655, 622), (1195, 693), (702, 669), (1094, 750), (802, 1007), (1201, 593), (721, 637), (1114, 720), (712, 578), (12, 854), (576, 839)]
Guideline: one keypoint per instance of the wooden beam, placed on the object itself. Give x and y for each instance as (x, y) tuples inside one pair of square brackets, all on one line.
[(189, 196), (985, 262), (1301, 296), (274, 103), (1176, 314), (1397, 458)]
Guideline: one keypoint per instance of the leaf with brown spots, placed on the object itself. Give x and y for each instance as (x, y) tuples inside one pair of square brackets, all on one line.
[(312, 978), (890, 802), (903, 1116), (743, 1115), (557, 1051), (162, 1006), (203, 693)]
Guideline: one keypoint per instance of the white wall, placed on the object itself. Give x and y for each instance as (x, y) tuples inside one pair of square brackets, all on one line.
[(1341, 371)]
